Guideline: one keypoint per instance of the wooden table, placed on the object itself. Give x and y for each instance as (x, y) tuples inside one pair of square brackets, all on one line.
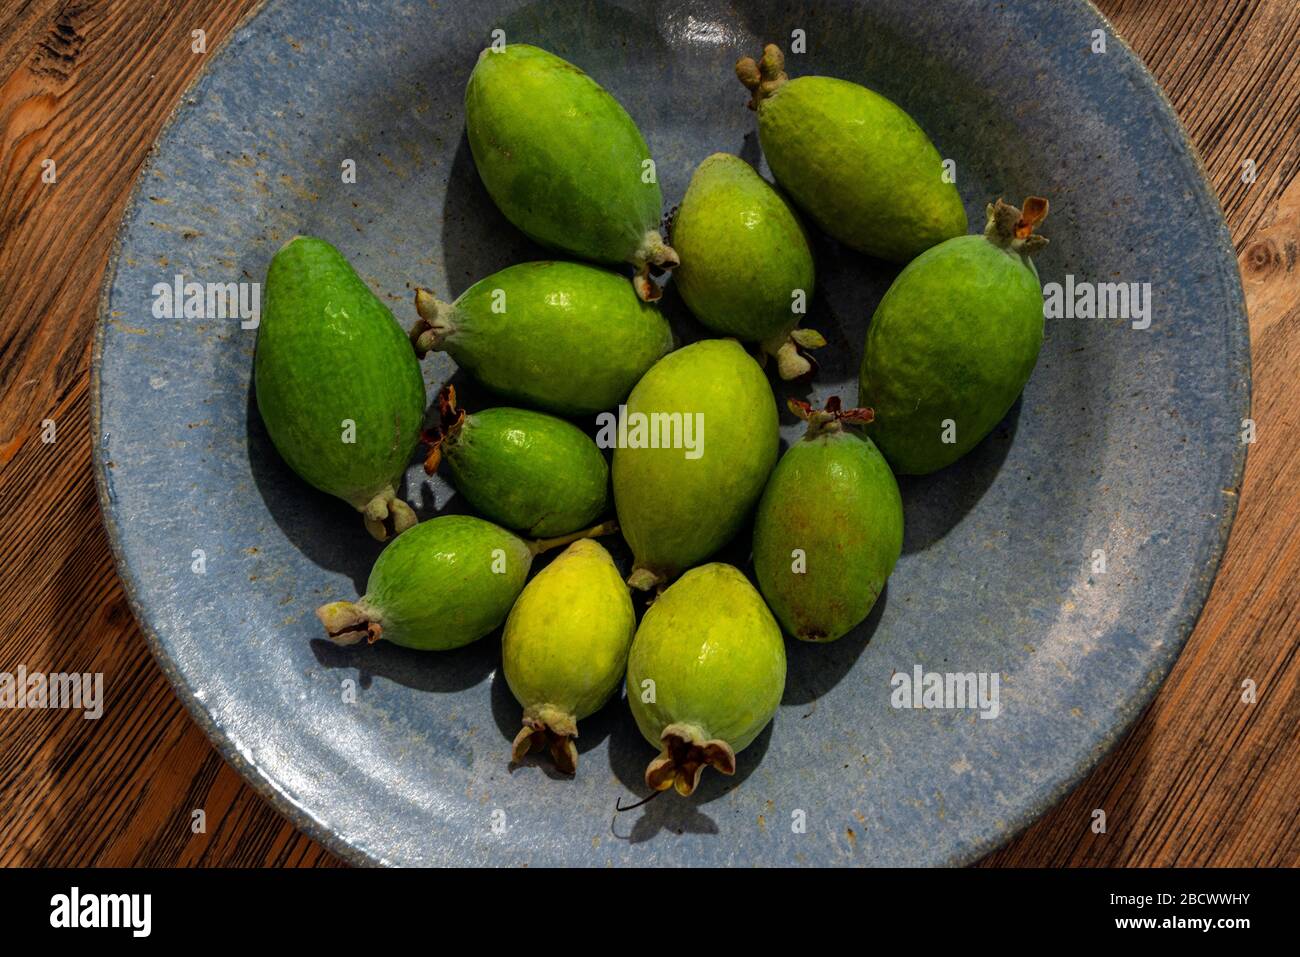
[(1202, 779)]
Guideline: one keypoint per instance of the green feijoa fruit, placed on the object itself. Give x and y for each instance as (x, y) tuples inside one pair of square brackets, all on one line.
[(337, 387), (528, 471), (563, 337), (696, 442), (565, 648), (705, 674), (856, 163), (564, 161), (747, 268), (953, 342), (440, 584), (829, 527)]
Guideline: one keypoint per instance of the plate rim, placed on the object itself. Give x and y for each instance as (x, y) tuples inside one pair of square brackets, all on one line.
[(1192, 606)]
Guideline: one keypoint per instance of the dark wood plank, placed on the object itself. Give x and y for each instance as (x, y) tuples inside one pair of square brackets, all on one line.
[(1203, 778), (92, 89)]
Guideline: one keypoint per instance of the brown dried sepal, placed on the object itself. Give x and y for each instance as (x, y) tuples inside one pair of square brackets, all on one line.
[(1014, 228), (647, 290), (450, 421), (1033, 212), (831, 418), (552, 729), (684, 757)]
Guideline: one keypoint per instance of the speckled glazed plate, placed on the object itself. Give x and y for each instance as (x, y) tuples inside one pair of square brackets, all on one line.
[(1069, 554)]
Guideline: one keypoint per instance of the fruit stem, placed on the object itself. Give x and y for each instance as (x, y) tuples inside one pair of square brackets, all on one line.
[(830, 419), (643, 579), (653, 255), (687, 751), (765, 77), (347, 623), (548, 727), (1013, 229), (387, 516), (620, 807), (434, 325), (791, 351), (540, 545)]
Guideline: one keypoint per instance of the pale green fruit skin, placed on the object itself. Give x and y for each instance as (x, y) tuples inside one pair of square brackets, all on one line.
[(859, 166), (567, 638), (434, 586), (674, 511), (573, 339), (955, 337), (715, 655), (743, 252), (834, 497), (559, 156), (328, 350)]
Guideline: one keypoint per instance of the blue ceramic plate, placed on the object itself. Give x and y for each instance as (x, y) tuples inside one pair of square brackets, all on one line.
[(1124, 449)]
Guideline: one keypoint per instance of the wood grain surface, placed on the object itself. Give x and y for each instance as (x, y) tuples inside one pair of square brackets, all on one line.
[(1203, 778)]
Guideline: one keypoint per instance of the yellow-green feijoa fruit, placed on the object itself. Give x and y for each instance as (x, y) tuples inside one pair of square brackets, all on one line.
[(564, 161), (856, 163), (563, 337), (953, 342), (564, 651), (705, 675), (829, 527), (697, 440), (337, 387), (440, 584), (747, 268), (526, 470)]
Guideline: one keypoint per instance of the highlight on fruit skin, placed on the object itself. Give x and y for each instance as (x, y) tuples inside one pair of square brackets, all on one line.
[(564, 649), (353, 439), (705, 675), (564, 161), (442, 584), (566, 338), (854, 162), (954, 341), (677, 510), (748, 269), (531, 472), (829, 527)]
